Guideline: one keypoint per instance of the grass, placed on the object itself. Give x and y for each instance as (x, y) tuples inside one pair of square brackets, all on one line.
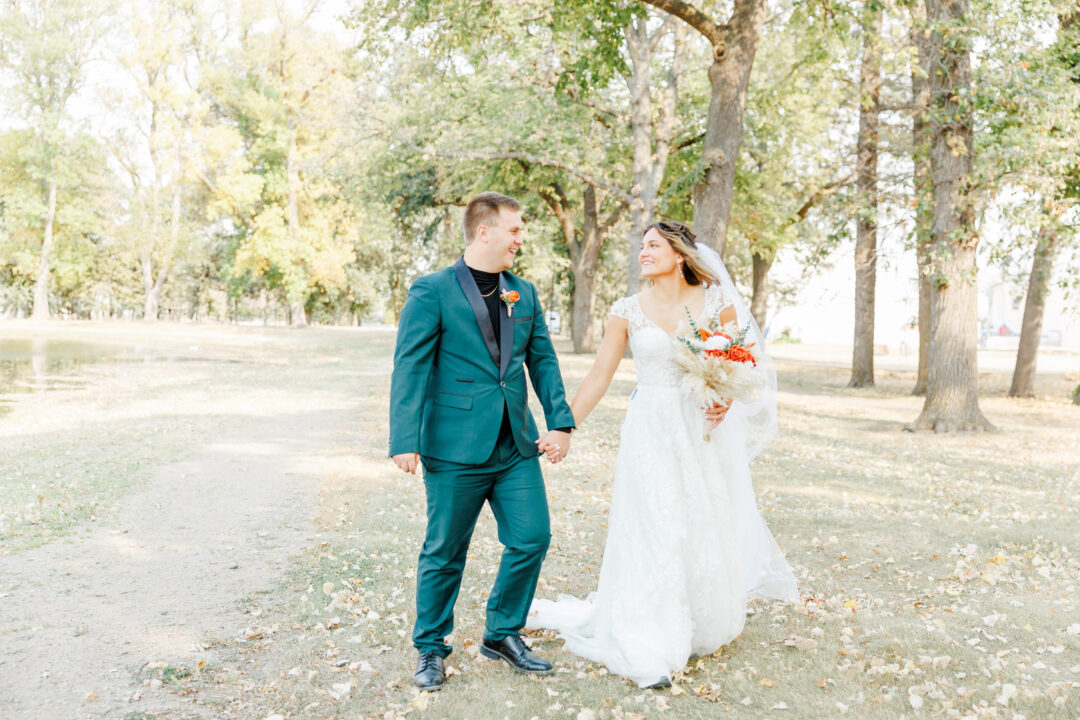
[(69, 455), (939, 574)]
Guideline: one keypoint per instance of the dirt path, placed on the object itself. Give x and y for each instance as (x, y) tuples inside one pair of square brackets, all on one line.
[(164, 576)]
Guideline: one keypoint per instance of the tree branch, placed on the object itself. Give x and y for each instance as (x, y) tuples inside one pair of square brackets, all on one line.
[(212, 187), (693, 17), (687, 142), (598, 183), (614, 217), (821, 192)]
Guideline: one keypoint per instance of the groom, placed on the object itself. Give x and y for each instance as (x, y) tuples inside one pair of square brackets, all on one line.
[(459, 407)]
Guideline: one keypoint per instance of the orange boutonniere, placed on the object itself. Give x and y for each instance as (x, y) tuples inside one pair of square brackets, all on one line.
[(510, 298)]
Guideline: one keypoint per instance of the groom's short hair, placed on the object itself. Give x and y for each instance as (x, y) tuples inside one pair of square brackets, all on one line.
[(484, 210)]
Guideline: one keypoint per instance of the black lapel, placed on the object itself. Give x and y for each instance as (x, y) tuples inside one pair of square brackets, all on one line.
[(506, 330), (472, 293)]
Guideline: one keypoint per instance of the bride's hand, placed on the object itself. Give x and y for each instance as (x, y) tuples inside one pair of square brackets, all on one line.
[(555, 444), (715, 413)]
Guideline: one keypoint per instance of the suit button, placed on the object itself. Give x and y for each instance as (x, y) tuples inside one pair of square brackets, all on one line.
[(502, 384)]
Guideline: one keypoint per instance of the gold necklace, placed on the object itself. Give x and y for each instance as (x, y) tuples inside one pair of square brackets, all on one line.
[(490, 293)]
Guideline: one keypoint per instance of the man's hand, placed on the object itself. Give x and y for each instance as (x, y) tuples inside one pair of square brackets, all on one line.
[(555, 445), (715, 413), (408, 462)]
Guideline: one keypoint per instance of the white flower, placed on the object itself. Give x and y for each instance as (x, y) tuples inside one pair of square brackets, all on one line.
[(716, 342)]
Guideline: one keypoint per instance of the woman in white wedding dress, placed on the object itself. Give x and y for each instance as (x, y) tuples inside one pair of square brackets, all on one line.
[(686, 546)]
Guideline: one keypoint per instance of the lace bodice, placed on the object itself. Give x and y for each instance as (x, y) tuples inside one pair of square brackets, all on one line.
[(651, 346)]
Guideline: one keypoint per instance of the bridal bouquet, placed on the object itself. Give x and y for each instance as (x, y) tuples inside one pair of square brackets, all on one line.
[(717, 364)]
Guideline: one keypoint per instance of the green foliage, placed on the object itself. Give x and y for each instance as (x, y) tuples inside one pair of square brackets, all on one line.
[(252, 109), (799, 95)]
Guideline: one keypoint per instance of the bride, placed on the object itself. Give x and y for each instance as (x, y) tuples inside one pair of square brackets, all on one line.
[(686, 547)]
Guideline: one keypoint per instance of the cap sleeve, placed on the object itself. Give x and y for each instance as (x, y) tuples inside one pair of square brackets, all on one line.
[(629, 309), (622, 308)]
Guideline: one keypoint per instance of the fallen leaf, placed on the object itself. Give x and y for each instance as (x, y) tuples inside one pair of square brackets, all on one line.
[(799, 642), (1008, 692)]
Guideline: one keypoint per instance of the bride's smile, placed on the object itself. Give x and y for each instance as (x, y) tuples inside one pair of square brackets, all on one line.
[(657, 257)]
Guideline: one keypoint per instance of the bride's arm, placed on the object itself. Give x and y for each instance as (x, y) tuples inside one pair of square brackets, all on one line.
[(603, 369)]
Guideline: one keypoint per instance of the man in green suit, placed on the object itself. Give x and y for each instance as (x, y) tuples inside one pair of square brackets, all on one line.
[(459, 407)]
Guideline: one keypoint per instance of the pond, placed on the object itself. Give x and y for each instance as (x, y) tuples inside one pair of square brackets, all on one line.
[(29, 365)]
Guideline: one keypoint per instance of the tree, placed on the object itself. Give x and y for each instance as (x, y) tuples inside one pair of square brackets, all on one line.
[(734, 44), (79, 231), (520, 111), (1051, 232), (952, 394), (650, 138), (788, 179), (162, 111), (584, 247), (46, 44), (920, 161), (866, 165), (285, 101)]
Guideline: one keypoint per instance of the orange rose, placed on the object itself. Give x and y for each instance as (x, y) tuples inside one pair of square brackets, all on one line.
[(721, 354), (741, 354), (510, 298)]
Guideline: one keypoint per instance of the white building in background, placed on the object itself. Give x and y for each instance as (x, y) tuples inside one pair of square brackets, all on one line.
[(1001, 310), (823, 310)]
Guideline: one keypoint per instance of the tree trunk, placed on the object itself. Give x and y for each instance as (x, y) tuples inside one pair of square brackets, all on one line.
[(41, 285), (298, 317), (174, 235), (862, 357), (1042, 267), (151, 299), (729, 76), (952, 392), (759, 301), (651, 146), (926, 289), (920, 155), (584, 257), (638, 83)]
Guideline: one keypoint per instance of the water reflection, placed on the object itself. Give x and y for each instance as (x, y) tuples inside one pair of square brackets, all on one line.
[(38, 365), (30, 365)]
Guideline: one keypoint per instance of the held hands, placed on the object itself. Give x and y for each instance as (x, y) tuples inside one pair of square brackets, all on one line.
[(715, 413), (555, 444), (408, 462)]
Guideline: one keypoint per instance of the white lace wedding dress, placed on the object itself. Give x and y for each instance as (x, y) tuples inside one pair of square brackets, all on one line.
[(686, 546)]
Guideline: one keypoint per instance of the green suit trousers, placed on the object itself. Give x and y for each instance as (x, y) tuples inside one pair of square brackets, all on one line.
[(513, 486)]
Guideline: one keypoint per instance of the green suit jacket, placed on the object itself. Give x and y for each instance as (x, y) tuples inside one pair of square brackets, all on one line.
[(453, 378)]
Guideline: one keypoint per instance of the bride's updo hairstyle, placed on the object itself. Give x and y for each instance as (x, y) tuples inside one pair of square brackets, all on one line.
[(683, 241)]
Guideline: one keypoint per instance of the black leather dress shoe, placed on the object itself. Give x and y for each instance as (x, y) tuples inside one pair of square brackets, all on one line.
[(663, 682), (429, 673), (513, 650)]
